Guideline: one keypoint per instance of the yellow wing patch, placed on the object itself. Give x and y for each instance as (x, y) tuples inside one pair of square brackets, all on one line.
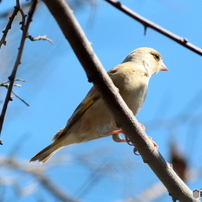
[(89, 100), (84, 106)]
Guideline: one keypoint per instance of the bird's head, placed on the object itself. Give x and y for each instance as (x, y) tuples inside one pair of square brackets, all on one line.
[(147, 58)]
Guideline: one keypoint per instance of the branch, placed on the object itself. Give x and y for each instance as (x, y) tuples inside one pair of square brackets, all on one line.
[(152, 193), (17, 63), (39, 174), (8, 26), (5, 14), (147, 23), (109, 93), (17, 9)]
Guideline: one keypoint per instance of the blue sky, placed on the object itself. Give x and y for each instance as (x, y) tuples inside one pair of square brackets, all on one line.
[(56, 83)]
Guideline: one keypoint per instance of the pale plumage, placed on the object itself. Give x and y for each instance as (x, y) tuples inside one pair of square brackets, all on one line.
[(92, 119)]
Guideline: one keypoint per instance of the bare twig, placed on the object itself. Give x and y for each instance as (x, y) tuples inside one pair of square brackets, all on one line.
[(17, 9), (39, 38), (15, 80), (16, 95), (6, 13), (22, 14), (122, 115), (6, 85), (147, 23), (17, 63), (8, 26)]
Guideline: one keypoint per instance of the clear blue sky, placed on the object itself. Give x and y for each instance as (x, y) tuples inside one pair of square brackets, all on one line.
[(56, 83)]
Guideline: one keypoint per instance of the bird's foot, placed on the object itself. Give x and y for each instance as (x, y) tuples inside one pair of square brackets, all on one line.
[(117, 138), (154, 143)]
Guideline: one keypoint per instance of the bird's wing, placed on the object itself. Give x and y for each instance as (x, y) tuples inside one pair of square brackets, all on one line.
[(88, 101)]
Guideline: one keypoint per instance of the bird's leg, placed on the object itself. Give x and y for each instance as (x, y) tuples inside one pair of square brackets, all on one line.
[(117, 138), (116, 135)]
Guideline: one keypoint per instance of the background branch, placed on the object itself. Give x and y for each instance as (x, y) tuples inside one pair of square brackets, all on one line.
[(6, 85), (17, 63), (6, 13), (147, 23), (8, 26), (123, 116), (39, 174)]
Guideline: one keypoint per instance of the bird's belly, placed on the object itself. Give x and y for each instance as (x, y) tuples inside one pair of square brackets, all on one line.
[(96, 126)]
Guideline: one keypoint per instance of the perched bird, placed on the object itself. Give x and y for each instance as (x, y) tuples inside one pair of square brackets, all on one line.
[(92, 119)]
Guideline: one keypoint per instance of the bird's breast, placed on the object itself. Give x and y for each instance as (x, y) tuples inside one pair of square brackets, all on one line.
[(134, 95)]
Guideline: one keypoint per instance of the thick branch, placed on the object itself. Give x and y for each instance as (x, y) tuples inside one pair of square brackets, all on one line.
[(147, 23), (123, 116)]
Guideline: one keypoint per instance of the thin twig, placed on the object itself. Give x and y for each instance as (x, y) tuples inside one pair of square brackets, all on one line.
[(17, 63), (39, 38), (16, 95), (8, 26), (6, 85), (6, 13), (22, 23), (6, 82), (147, 23)]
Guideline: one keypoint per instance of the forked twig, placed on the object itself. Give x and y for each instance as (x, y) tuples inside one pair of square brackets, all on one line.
[(6, 85)]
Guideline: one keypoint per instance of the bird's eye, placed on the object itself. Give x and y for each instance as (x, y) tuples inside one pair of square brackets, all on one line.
[(156, 57)]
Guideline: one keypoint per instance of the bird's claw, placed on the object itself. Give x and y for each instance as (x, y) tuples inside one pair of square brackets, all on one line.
[(135, 150), (117, 138)]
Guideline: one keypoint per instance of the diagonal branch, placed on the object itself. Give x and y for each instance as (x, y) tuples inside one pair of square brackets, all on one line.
[(147, 23), (17, 63), (109, 93)]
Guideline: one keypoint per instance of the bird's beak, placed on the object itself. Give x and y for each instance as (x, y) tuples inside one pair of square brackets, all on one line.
[(162, 67)]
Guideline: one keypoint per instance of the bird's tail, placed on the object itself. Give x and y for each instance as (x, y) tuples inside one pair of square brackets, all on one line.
[(47, 152)]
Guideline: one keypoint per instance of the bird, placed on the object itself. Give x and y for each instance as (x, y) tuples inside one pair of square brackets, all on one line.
[(92, 119)]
